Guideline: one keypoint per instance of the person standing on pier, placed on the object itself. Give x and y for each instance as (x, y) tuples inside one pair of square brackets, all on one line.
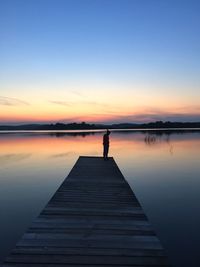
[(106, 144)]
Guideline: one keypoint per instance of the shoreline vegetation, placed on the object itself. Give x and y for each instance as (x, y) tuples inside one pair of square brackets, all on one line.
[(88, 126)]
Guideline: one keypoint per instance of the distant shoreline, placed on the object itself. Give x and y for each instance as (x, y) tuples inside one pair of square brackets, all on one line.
[(101, 130), (158, 125)]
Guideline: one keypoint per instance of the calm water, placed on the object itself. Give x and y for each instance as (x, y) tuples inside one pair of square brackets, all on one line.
[(162, 168)]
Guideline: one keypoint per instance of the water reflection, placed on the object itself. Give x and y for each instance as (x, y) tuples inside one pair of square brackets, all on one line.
[(94, 132), (61, 134), (60, 155), (34, 164), (13, 157), (152, 139)]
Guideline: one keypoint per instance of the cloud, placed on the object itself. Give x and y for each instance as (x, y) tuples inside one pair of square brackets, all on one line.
[(13, 157), (144, 115), (61, 155), (187, 115), (62, 103), (95, 103), (89, 103), (77, 93), (10, 101)]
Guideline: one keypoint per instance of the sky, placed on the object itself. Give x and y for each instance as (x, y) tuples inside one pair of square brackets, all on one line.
[(99, 61)]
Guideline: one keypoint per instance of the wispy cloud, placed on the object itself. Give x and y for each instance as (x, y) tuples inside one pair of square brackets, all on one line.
[(146, 114), (13, 157), (61, 155), (62, 103), (77, 93), (151, 114), (10, 101), (87, 103), (95, 103)]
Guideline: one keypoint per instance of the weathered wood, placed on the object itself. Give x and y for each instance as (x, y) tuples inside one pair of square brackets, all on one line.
[(74, 265), (85, 259), (87, 251), (93, 219)]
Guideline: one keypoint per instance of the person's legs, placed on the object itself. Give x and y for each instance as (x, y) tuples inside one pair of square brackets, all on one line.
[(106, 151)]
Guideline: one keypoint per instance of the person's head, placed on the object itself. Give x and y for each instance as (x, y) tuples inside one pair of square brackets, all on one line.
[(107, 132)]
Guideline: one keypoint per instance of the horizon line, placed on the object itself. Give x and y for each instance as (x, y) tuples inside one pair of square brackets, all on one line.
[(95, 123)]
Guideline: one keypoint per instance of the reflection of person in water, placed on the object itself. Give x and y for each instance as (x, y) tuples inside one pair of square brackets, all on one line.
[(106, 145)]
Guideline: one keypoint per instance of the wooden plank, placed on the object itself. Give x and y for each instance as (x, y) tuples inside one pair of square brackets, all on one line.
[(93, 219), (82, 231), (90, 235), (94, 211), (93, 243), (88, 251), (89, 225), (85, 259), (92, 204), (7, 264)]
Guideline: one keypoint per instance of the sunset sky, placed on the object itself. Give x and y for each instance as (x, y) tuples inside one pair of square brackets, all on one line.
[(99, 61)]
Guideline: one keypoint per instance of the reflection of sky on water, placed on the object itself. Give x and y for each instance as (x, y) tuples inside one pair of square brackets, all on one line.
[(13, 158), (162, 167), (60, 155)]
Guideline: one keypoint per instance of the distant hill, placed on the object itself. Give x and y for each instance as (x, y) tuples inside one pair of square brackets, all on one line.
[(87, 126)]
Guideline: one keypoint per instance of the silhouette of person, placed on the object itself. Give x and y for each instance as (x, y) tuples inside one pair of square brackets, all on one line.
[(106, 144)]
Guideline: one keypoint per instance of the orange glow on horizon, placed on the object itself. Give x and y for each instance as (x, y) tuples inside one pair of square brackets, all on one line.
[(92, 112)]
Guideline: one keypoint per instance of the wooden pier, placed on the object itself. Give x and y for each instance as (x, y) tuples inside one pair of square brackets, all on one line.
[(94, 220)]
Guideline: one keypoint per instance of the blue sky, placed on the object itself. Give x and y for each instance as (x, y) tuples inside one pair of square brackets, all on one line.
[(106, 60)]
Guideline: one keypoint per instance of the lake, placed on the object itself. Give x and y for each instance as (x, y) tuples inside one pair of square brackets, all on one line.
[(162, 167)]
